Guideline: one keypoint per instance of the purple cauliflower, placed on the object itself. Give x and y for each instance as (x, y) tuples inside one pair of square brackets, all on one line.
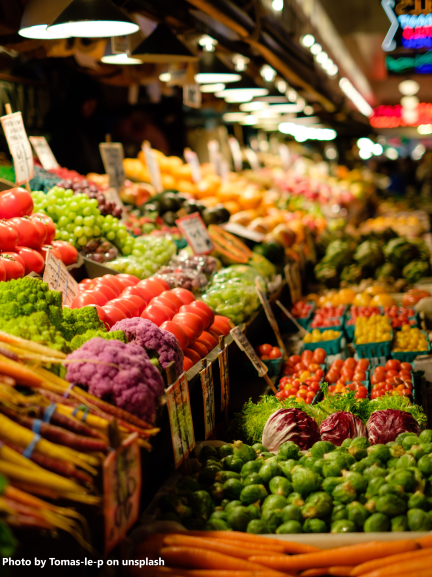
[(148, 335), (118, 373)]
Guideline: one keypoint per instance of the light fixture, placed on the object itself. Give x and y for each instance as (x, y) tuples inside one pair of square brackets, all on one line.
[(331, 152), (162, 45), (301, 102), (410, 103), (409, 87), (38, 15), (328, 64), (165, 77), (316, 49), (377, 149), (250, 120), (418, 151), (92, 19), (212, 87), (291, 95), (207, 42), (237, 98), (308, 40), (302, 133), (233, 116), (269, 112), (282, 86), (308, 110), (120, 57), (212, 71), (322, 58), (240, 62), (253, 106), (392, 153), (242, 92), (289, 108), (365, 153), (271, 99), (425, 129), (354, 95), (268, 73), (333, 70), (278, 5)]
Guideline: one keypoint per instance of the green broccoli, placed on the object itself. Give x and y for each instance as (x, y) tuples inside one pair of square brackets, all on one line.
[(78, 321), (79, 340)]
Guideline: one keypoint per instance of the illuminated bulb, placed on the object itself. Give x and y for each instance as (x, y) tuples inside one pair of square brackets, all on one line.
[(333, 70), (165, 77), (410, 102), (355, 97), (278, 5), (322, 58), (331, 153), (365, 153), (240, 62), (308, 40), (425, 129), (291, 95), (207, 42), (212, 87), (268, 73), (282, 86), (250, 120), (316, 49), (253, 106), (377, 149), (120, 59), (418, 151), (409, 87), (233, 116), (301, 103), (392, 153), (328, 64), (308, 110)]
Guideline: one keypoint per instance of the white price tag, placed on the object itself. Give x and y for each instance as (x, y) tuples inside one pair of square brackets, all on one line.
[(193, 161), (112, 157), (19, 147), (244, 232), (208, 400), (236, 153), (252, 157), (58, 278), (192, 95), (195, 232), (44, 152), (153, 166)]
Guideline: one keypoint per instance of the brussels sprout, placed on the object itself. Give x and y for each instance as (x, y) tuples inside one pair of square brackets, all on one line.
[(289, 527), (257, 527), (249, 468), (315, 526), (334, 467), (217, 525), (270, 470), (219, 515), (406, 461), (216, 491), (280, 486), (419, 520), (418, 501), (258, 448), (202, 504), (370, 461), (206, 452), (194, 524), (357, 481), (396, 451), (232, 504), (377, 523), (291, 513), (344, 493), (409, 441), (391, 463), (374, 486), (358, 448), (232, 463), (287, 466), (295, 499), (399, 523), (254, 510), (288, 450), (304, 480), (238, 518), (401, 437), (186, 485), (416, 451), (272, 518), (318, 505), (254, 479), (223, 476), (274, 502), (426, 436), (358, 467), (330, 483), (346, 443), (427, 448), (402, 477), (425, 465), (225, 502), (253, 493), (264, 456), (232, 488), (171, 503), (225, 451), (357, 513), (339, 512), (208, 473), (343, 526), (269, 460), (302, 460), (380, 452), (374, 471), (419, 480), (349, 459), (310, 464), (244, 452), (389, 488), (321, 448), (391, 505)]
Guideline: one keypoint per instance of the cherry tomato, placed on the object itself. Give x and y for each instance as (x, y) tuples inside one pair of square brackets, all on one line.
[(319, 356), (113, 313), (405, 374), (158, 314), (294, 359), (187, 364), (15, 202), (204, 308), (406, 367), (359, 376), (315, 387), (392, 373), (350, 363), (393, 365), (264, 349), (176, 330), (313, 367), (184, 295), (9, 236), (33, 260), (49, 224), (319, 373), (338, 363), (307, 356), (363, 364), (275, 353), (192, 355)]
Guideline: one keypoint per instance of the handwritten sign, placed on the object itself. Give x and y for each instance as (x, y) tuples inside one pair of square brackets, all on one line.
[(44, 152), (122, 490), (208, 400), (193, 161), (236, 153), (180, 418), (153, 166), (252, 157), (192, 95), (58, 278), (112, 157), (224, 377), (245, 346), (19, 147), (195, 232)]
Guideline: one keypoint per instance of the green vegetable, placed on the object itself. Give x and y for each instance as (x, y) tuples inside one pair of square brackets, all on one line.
[(232, 488), (388, 488), (219, 515), (425, 465), (232, 463), (416, 270), (417, 452), (320, 448), (352, 274), (287, 467), (339, 512), (380, 452), (400, 252), (402, 477), (374, 471), (272, 518), (257, 527), (225, 451), (344, 493), (289, 527), (304, 480), (391, 505), (254, 510), (295, 499), (388, 270), (187, 484), (244, 452), (330, 483), (291, 513), (391, 463), (250, 467), (315, 526), (253, 493), (217, 525), (223, 476), (396, 450), (258, 448), (280, 486), (202, 504), (79, 321), (79, 340), (239, 518), (208, 473), (369, 254), (232, 505), (409, 441), (288, 450), (357, 513), (399, 523), (343, 526), (426, 436), (334, 467), (377, 523), (317, 505), (417, 501), (216, 491), (357, 481), (253, 479), (358, 448), (270, 470), (274, 502), (419, 520)]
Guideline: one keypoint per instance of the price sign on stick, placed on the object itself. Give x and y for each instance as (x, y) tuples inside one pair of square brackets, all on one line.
[(192, 159), (153, 166), (122, 490), (270, 316), (192, 95), (292, 276), (224, 373), (19, 147), (208, 399), (289, 315), (252, 157), (236, 153), (195, 232), (180, 418), (58, 278), (112, 156), (44, 152)]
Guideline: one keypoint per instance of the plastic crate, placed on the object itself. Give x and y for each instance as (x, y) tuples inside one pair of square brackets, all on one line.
[(332, 347), (410, 356), (338, 327), (288, 326), (371, 350), (274, 365)]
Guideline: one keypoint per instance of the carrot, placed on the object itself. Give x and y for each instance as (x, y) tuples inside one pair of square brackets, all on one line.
[(315, 572), (205, 543), (43, 491), (74, 426), (30, 345), (425, 542), (289, 546), (20, 373), (192, 557), (212, 573), (250, 547), (398, 558), (351, 555), (410, 567), (341, 570)]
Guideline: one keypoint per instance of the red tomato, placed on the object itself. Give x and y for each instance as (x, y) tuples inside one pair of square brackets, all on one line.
[(103, 316), (128, 308), (152, 286), (13, 264), (392, 373), (219, 329), (350, 363), (184, 295), (195, 311), (405, 374), (302, 394), (114, 314), (189, 333), (158, 314), (200, 348), (187, 364), (210, 339), (313, 367), (105, 290), (134, 290), (362, 394), (3, 276), (88, 298), (275, 353), (376, 378), (109, 279), (359, 376), (294, 359), (85, 284), (43, 251), (69, 254), (9, 236), (49, 225), (162, 282), (160, 300), (406, 367), (406, 393), (173, 298), (41, 228), (319, 373), (29, 234), (307, 356), (338, 363), (363, 364), (33, 261), (191, 320), (223, 322), (137, 301), (127, 279), (178, 332), (203, 307), (319, 356), (265, 358), (264, 349), (15, 202), (332, 377), (192, 355), (392, 364)]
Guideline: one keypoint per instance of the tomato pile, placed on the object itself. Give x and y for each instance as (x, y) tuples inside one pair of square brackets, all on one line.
[(301, 310), (361, 391), (413, 296), (302, 376), (327, 317), (192, 322), (400, 316), (362, 312), (394, 377), (268, 352), (344, 372)]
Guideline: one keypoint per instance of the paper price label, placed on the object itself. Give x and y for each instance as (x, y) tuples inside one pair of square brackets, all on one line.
[(193, 161), (58, 278), (224, 378), (192, 95), (153, 166), (112, 157), (44, 152), (236, 153), (252, 157), (19, 147), (275, 284), (180, 418), (208, 400), (244, 232), (245, 346), (195, 232), (122, 490)]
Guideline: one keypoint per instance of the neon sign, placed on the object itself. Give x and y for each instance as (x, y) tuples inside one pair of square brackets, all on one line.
[(416, 30), (410, 22), (403, 64), (392, 116)]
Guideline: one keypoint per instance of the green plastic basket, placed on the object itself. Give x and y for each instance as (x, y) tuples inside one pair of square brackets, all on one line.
[(371, 350), (332, 347), (410, 356)]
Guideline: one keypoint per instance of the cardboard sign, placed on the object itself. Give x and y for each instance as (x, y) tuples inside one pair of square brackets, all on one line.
[(236, 153), (44, 152), (180, 418), (195, 232), (252, 157), (244, 345), (58, 278), (244, 232), (122, 490), (193, 161), (192, 95), (224, 378), (208, 400), (153, 166), (112, 157), (19, 147)]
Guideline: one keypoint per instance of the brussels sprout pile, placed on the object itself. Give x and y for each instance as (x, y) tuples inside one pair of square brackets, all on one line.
[(351, 488)]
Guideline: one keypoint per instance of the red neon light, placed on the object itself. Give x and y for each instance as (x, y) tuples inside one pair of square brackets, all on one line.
[(392, 116)]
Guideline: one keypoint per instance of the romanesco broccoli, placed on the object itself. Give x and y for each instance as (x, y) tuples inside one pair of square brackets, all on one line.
[(79, 340), (36, 327), (78, 321)]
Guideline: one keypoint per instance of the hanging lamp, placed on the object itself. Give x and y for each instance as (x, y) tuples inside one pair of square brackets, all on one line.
[(162, 45), (213, 71), (38, 15)]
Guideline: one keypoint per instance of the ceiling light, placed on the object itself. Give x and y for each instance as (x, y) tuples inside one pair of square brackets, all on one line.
[(365, 143), (38, 15), (212, 87), (237, 98), (282, 86), (365, 153), (331, 153), (212, 71), (377, 149), (207, 42), (272, 99), (333, 70), (162, 45), (308, 110), (286, 108), (418, 151), (303, 133), (322, 58), (392, 153), (252, 92), (354, 95), (410, 102), (291, 95), (278, 5), (93, 19), (425, 129), (269, 112), (308, 40), (268, 73), (328, 64), (118, 54), (250, 120), (233, 116), (165, 77), (240, 62), (301, 102), (409, 87), (253, 106), (316, 49)]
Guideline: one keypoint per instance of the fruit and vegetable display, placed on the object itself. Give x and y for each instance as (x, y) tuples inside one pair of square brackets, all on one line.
[(317, 336)]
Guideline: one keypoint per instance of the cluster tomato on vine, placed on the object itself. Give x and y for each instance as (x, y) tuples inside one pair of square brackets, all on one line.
[(394, 377)]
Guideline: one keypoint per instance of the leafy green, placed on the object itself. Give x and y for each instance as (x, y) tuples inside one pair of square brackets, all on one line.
[(399, 404)]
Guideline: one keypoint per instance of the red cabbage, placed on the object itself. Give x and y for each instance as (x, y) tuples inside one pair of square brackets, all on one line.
[(290, 425), (340, 426), (384, 426)]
